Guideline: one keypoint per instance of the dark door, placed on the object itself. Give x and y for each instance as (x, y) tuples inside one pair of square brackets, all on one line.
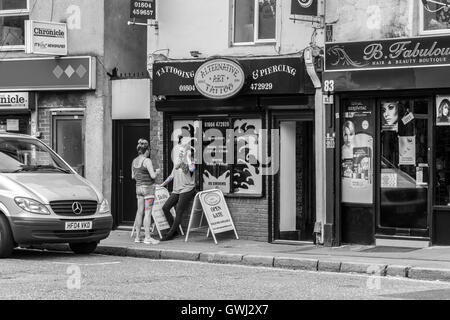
[(126, 135), (295, 182)]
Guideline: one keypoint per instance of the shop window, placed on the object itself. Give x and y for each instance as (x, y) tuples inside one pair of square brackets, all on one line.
[(13, 14), (254, 21), (226, 151), (434, 17), (442, 159), (404, 166)]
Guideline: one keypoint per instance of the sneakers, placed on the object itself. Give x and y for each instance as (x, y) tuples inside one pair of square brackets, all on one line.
[(137, 240), (151, 241)]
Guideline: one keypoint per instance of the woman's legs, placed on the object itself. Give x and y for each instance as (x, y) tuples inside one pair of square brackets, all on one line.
[(148, 217), (139, 216)]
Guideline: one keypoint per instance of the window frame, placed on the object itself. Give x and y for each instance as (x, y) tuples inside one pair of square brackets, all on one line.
[(256, 40), (15, 13), (422, 30)]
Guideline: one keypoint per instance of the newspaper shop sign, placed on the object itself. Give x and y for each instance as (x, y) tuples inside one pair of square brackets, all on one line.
[(219, 79), (48, 38), (143, 9), (211, 204)]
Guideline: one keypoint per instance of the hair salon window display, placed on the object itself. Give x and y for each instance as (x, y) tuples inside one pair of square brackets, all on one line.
[(356, 153)]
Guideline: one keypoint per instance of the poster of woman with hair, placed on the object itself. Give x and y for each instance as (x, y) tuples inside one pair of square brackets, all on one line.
[(443, 110)]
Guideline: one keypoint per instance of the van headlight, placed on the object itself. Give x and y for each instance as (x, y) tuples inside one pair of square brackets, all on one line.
[(31, 205), (104, 207)]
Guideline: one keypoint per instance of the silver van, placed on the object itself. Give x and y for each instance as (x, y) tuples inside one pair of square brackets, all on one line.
[(43, 200)]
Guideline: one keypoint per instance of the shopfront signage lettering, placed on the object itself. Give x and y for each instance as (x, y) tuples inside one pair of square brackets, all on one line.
[(219, 79), (17, 100), (274, 75), (392, 53), (143, 9), (273, 69), (48, 38)]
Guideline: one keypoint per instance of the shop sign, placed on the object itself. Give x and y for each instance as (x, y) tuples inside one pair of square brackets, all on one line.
[(304, 7), (388, 54), (219, 79), (48, 74), (211, 205), (14, 101), (143, 9), (275, 75), (48, 38)]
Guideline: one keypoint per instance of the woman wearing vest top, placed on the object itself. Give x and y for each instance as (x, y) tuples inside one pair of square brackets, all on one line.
[(142, 171), (183, 186)]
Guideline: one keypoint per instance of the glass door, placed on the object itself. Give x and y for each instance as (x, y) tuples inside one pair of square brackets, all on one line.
[(404, 167)]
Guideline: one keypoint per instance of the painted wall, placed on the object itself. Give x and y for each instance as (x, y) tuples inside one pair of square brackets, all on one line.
[(359, 20), (204, 25), (125, 46)]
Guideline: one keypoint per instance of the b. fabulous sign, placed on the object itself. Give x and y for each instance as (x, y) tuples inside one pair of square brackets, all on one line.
[(390, 53)]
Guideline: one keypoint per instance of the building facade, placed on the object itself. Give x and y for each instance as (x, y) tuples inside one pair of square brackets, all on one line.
[(238, 79), (66, 100), (387, 68)]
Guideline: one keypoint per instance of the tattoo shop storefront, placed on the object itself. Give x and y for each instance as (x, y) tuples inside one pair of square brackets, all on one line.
[(225, 106), (391, 106)]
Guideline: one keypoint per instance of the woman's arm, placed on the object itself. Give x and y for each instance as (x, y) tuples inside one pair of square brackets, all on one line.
[(132, 170), (167, 181), (149, 166)]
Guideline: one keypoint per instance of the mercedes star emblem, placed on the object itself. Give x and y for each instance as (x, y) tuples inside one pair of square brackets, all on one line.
[(77, 208)]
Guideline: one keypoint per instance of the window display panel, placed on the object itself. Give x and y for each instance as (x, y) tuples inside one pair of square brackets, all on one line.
[(403, 164), (442, 158), (357, 152), (247, 177)]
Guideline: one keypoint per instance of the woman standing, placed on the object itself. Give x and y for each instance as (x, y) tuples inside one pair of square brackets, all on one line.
[(183, 186), (142, 171)]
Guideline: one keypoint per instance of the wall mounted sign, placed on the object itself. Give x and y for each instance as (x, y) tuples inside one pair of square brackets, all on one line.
[(219, 78), (388, 54), (43, 74), (14, 101), (143, 9), (274, 75), (48, 38), (304, 7)]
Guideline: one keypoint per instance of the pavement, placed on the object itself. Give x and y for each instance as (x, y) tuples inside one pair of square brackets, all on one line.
[(431, 263)]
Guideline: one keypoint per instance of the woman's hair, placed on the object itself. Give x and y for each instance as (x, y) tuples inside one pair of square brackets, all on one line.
[(142, 146), (441, 106), (350, 125)]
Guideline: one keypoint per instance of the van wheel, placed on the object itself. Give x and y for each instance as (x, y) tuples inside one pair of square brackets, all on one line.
[(6, 238), (83, 248)]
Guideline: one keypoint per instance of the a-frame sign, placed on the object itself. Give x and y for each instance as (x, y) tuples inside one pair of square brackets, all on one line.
[(210, 210)]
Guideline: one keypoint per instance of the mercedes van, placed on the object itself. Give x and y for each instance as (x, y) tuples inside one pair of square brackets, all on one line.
[(43, 200)]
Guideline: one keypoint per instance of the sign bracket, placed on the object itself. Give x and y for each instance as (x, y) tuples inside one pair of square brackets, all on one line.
[(151, 24)]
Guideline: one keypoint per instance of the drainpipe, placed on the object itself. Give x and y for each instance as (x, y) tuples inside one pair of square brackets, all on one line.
[(320, 152)]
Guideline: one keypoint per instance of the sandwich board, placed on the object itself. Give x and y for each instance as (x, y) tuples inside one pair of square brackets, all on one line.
[(156, 203), (210, 210)]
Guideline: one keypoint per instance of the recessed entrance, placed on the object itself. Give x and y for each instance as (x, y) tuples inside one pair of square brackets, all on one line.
[(295, 211)]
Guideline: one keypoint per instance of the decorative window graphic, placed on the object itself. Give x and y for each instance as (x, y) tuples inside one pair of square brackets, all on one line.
[(227, 153)]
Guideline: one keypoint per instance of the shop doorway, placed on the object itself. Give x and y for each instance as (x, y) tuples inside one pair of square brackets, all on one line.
[(295, 182), (126, 134), (405, 165)]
